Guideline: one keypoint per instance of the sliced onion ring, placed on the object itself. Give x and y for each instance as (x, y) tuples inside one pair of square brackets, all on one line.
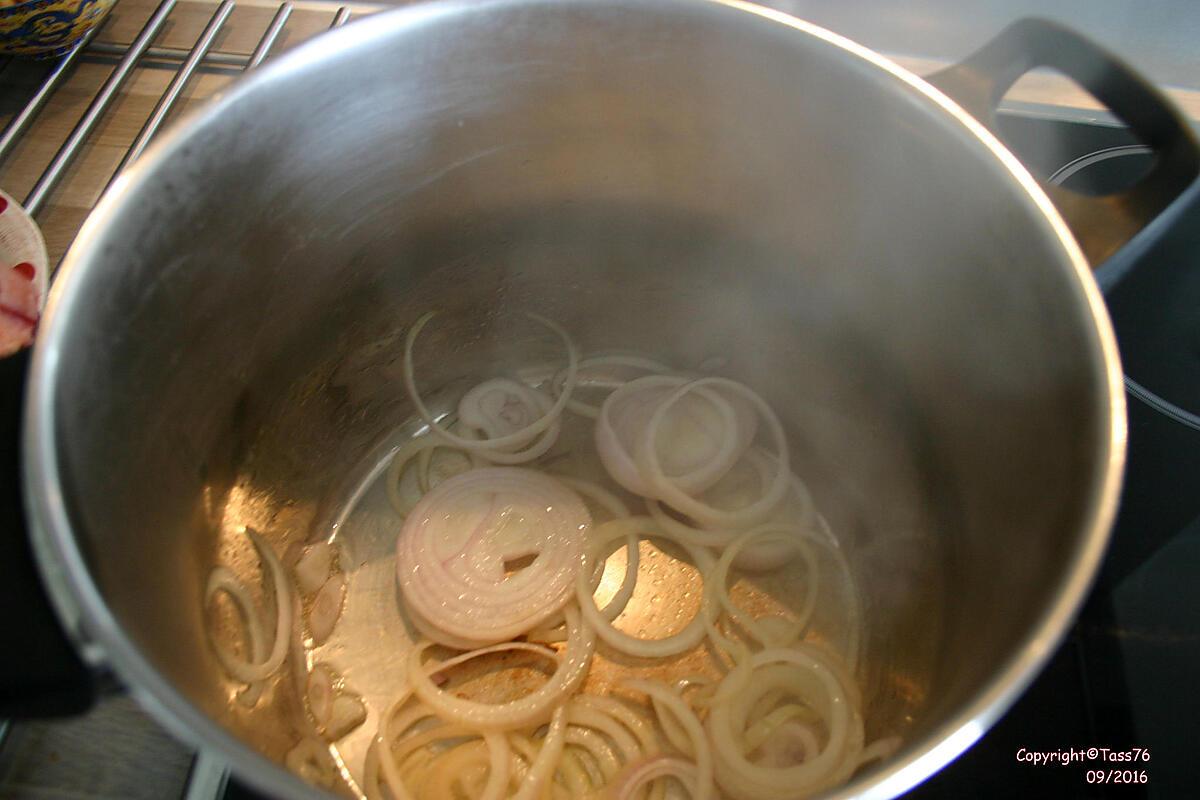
[(533, 709), (676, 643), (422, 448), (541, 771), (222, 579), (473, 414), (809, 675), (686, 718), (625, 418), (651, 470), (452, 548), (795, 538), (243, 670), (760, 557), (515, 439), (638, 775)]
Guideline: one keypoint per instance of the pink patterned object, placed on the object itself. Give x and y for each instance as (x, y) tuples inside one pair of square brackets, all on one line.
[(23, 276)]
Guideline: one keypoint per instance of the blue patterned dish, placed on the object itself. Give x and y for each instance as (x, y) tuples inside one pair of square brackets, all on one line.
[(47, 28)]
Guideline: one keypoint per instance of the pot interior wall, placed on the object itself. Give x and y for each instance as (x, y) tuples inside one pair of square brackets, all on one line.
[(683, 180)]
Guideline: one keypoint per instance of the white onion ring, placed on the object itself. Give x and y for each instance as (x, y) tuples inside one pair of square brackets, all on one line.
[(616, 507), (621, 721), (497, 747), (541, 771), (222, 579), (582, 716), (639, 727), (762, 557), (578, 781), (459, 587), (676, 643), (664, 487), (597, 748), (218, 581), (879, 750), (626, 416), (515, 439), (313, 566), (613, 608), (532, 709), (720, 576), (766, 728), (384, 742), (499, 762), (809, 676), (703, 756), (586, 409), (475, 410), (638, 775)]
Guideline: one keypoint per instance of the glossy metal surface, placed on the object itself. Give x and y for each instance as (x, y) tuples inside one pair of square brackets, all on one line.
[(685, 179)]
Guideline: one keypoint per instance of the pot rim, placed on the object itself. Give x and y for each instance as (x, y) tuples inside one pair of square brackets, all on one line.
[(98, 634)]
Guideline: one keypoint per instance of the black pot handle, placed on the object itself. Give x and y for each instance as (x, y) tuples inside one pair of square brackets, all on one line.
[(41, 675), (1102, 225)]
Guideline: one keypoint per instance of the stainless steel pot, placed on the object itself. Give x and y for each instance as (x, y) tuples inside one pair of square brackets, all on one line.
[(687, 179)]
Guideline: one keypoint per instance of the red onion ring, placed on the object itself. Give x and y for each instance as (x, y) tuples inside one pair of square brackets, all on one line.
[(533, 709), (452, 549), (484, 407), (692, 633), (515, 439), (627, 412), (636, 776), (219, 581), (665, 488)]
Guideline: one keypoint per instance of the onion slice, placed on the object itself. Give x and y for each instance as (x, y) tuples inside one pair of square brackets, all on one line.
[(501, 407), (221, 580), (792, 538), (638, 775), (799, 511), (667, 700), (452, 552), (542, 769), (515, 439), (533, 709), (676, 643), (810, 675), (664, 487), (427, 451), (313, 567), (714, 427)]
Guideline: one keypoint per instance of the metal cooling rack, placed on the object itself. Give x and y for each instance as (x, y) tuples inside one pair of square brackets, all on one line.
[(127, 59)]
